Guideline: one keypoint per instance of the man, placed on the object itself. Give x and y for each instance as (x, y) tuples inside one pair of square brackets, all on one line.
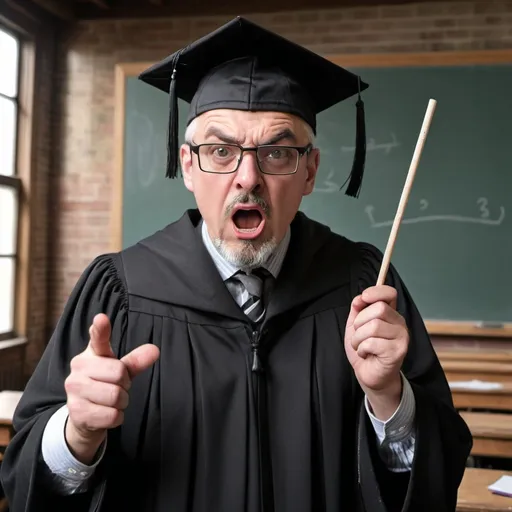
[(241, 359)]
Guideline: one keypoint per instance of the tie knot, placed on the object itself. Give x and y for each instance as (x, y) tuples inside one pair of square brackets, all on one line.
[(257, 285), (253, 282)]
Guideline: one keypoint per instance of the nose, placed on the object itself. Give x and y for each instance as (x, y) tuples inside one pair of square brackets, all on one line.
[(248, 176)]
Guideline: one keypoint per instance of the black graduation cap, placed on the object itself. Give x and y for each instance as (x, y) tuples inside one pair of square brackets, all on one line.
[(246, 67)]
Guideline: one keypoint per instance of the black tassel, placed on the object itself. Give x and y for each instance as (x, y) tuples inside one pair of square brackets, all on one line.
[(356, 175), (172, 135)]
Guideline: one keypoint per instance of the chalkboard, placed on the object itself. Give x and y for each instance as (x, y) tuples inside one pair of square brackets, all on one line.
[(454, 248)]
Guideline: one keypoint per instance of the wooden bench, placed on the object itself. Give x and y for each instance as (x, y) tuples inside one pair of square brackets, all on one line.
[(474, 496), (492, 433)]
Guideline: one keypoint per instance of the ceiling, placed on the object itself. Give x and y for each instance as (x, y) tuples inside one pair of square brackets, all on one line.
[(94, 9)]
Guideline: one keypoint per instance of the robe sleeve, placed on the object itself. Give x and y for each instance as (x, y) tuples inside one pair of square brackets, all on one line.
[(100, 289), (442, 439)]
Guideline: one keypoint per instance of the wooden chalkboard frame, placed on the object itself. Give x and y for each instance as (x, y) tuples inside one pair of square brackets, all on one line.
[(479, 57)]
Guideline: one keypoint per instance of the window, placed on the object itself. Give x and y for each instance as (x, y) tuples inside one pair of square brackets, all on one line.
[(10, 182)]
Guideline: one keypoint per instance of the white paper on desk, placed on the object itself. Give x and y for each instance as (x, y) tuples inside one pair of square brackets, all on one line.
[(475, 384), (8, 403), (502, 486)]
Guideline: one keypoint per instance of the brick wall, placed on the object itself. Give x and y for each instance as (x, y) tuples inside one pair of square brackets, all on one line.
[(39, 200), (88, 53)]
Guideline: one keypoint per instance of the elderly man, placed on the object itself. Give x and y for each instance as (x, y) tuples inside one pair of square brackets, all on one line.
[(242, 358)]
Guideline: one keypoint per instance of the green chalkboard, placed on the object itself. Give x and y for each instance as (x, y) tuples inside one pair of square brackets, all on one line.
[(454, 248)]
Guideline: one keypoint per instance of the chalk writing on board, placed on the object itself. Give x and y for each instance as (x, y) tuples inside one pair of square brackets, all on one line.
[(371, 145), (484, 218)]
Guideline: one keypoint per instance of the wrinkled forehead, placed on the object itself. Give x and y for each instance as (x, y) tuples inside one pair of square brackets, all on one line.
[(239, 125)]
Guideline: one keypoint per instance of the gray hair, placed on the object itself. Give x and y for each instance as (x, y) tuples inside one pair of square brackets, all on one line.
[(192, 128)]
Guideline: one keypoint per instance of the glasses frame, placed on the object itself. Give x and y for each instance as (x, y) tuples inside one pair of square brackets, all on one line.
[(302, 150)]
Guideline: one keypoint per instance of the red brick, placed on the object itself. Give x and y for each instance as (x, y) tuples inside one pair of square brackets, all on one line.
[(429, 9), (462, 8), (308, 17), (497, 20), (280, 19), (470, 21), (436, 35), (492, 7), (334, 15), (490, 33), (364, 13), (445, 22), (404, 11), (457, 34)]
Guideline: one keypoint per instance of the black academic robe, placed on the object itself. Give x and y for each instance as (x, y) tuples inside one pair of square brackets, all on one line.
[(203, 431)]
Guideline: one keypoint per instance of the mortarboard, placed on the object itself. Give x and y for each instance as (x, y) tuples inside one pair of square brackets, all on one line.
[(246, 67)]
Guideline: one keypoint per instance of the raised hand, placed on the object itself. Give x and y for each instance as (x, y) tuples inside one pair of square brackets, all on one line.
[(376, 342), (98, 387)]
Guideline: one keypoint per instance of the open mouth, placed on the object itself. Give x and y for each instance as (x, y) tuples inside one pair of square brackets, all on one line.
[(248, 222), (247, 219)]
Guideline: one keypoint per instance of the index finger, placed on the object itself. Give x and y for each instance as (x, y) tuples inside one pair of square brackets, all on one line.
[(382, 293), (100, 332)]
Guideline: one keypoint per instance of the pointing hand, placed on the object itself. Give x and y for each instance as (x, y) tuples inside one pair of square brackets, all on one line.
[(98, 387)]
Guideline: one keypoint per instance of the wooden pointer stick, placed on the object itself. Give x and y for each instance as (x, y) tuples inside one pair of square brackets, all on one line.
[(406, 191)]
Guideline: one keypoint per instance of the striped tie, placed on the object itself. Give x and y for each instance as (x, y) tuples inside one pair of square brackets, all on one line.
[(254, 306)]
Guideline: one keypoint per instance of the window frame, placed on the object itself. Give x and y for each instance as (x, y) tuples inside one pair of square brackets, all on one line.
[(21, 178)]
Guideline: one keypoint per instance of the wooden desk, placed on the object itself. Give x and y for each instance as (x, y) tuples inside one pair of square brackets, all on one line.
[(8, 403), (488, 371), (492, 365), (6, 433), (497, 399), (474, 495), (492, 433)]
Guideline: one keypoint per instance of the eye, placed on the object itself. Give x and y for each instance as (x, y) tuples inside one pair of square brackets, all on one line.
[(222, 151), (277, 154)]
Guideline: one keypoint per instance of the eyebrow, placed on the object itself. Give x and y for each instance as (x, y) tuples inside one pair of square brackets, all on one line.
[(282, 135), (214, 131)]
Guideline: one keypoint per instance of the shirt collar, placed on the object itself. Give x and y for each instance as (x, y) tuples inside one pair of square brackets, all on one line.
[(227, 269)]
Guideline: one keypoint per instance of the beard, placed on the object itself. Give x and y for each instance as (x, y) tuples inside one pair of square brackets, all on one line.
[(246, 254)]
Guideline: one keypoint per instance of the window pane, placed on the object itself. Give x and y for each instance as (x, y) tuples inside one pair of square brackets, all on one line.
[(9, 54), (6, 295), (8, 220), (7, 135)]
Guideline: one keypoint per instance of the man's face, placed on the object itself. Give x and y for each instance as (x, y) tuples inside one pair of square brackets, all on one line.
[(248, 212)]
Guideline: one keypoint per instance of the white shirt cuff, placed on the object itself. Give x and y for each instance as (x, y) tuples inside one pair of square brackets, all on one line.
[(57, 455)]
